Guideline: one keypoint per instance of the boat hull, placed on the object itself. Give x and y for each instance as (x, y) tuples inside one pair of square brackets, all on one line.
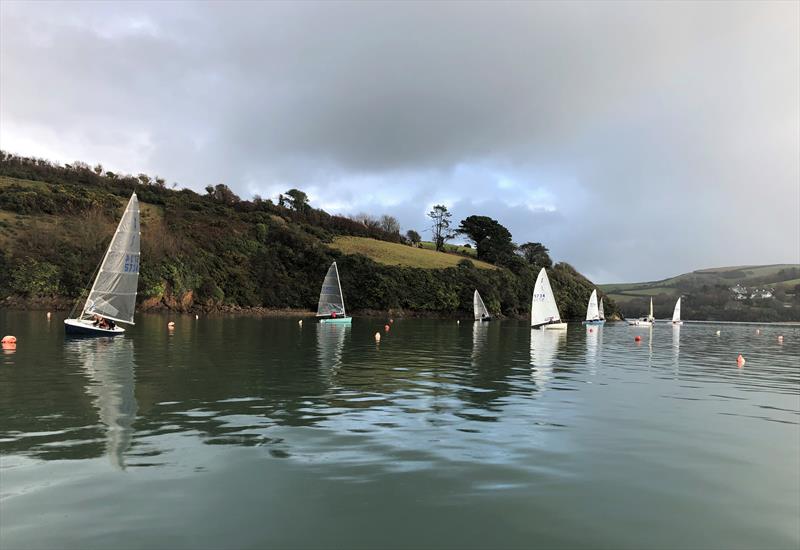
[(595, 322), (640, 323), (677, 323), (552, 326), (483, 319), (77, 327), (337, 320)]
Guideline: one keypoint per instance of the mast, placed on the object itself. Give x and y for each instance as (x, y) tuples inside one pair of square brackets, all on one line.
[(339, 282)]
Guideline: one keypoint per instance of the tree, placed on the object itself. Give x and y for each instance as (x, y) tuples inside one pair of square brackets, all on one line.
[(440, 225), (161, 182), (98, 169), (144, 178), (367, 220), (413, 237), (492, 240), (536, 254), (390, 224), (298, 200), (222, 193)]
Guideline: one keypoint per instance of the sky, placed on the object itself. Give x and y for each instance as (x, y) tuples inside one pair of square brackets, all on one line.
[(636, 140)]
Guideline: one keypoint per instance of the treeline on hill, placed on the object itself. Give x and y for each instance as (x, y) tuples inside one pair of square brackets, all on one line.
[(716, 302), (215, 250)]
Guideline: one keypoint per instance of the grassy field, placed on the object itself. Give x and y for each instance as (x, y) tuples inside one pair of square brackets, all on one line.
[(398, 254), (455, 248)]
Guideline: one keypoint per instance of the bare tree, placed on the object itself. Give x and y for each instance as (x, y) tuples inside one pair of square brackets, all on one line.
[(390, 224), (440, 225)]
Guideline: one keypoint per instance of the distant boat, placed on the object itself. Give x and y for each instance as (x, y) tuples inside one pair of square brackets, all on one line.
[(544, 311), (676, 313), (113, 294), (644, 321), (331, 302), (593, 316), (479, 308)]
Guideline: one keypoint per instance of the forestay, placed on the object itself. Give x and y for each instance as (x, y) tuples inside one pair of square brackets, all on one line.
[(478, 307), (113, 294), (330, 297), (592, 312), (543, 305)]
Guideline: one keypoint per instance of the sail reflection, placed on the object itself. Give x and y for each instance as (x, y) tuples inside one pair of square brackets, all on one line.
[(330, 344), (676, 347), (594, 336), (544, 349), (109, 364), (480, 335)]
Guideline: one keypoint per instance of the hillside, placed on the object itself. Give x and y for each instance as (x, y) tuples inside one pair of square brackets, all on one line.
[(216, 251), (736, 293)]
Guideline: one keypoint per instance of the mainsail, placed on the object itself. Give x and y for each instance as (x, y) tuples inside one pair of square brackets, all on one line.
[(676, 314), (592, 313), (601, 311), (113, 294), (330, 297), (650, 317), (543, 305), (478, 307)]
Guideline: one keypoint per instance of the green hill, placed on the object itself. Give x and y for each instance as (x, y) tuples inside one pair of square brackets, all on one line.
[(736, 293), (216, 251)]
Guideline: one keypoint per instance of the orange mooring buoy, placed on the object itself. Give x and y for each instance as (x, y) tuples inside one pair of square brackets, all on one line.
[(386, 328), (9, 340), (591, 330), (391, 321), (637, 339), (740, 361)]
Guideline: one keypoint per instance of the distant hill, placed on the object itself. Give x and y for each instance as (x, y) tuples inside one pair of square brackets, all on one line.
[(735, 293), (217, 251)]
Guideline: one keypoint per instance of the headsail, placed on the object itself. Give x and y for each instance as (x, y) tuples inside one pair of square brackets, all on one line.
[(676, 314), (478, 307), (601, 311), (592, 313), (330, 297), (650, 317), (543, 305), (113, 294)]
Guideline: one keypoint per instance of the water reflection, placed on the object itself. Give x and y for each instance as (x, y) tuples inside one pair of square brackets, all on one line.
[(109, 364), (545, 345), (330, 345)]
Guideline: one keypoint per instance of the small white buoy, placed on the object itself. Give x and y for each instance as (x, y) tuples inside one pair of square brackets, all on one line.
[(196, 316), (780, 339), (377, 336), (458, 322), (718, 332), (300, 322), (758, 331), (171, 325), (48, 315)]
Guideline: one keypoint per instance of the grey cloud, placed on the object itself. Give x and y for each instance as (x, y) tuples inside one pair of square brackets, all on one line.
[(666, 134)]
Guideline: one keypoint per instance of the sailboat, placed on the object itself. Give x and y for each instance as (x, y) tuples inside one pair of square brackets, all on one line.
[(676, 313), (479, 308), (331, 302), (601, 311), (544, 311), (593, 311), (644, 321), (113, 293)]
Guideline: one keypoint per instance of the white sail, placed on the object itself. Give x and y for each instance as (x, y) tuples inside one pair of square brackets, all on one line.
[(330, 296), (601, 311), (478, 307), (543, 305), (676, 314), (113, 294), (650, 317), (592, 312)]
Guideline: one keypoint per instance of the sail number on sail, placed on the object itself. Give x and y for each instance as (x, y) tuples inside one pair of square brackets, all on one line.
[(131, 263)]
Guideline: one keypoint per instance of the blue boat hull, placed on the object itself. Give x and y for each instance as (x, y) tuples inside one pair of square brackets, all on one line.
[(337, 320), (600, 322)]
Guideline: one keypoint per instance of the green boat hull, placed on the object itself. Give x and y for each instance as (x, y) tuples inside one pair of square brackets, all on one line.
[(337, 320)]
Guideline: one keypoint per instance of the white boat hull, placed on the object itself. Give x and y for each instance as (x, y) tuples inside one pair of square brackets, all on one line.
[(83, 327), (640, 323), (552, 326)]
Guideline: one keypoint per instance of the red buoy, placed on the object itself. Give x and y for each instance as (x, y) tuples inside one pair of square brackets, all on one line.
[(9, 340), (386, 328), (637, 339), (740, 361)]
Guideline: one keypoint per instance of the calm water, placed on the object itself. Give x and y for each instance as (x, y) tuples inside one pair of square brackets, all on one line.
[(248, 433)]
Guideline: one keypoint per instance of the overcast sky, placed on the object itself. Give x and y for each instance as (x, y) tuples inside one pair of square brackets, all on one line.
[(635, 140)]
